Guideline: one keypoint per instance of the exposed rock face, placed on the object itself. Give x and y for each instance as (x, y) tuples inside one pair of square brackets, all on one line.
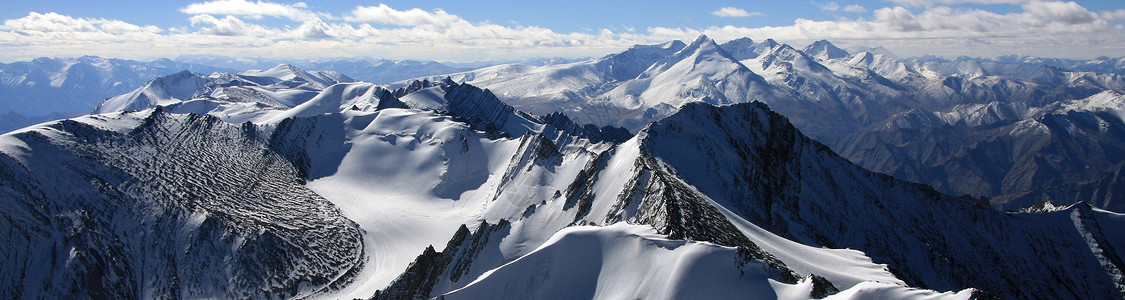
[(1065, 153), (750, 160), (704, 162)]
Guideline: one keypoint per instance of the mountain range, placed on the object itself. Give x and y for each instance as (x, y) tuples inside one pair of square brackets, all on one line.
[(1035, 132), (285, 183), (46, 89)]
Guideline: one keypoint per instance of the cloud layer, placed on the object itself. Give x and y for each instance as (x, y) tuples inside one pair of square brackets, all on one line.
[(253, 10), (235, 28)]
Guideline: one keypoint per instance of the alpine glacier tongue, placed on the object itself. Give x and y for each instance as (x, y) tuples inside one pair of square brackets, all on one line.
[(158, 205)]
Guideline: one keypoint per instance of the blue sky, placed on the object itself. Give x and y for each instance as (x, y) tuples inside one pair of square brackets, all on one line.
[(471, 30)]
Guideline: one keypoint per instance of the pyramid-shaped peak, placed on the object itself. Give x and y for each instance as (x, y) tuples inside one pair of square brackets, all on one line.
[(700, 43), (823, 49), (182, 73), (702, 38)]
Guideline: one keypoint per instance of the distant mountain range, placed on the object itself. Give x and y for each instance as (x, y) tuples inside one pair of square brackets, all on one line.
[(380, 71), (959, 125), (932, 121), (33, 90), (286, 183), (47, 89)]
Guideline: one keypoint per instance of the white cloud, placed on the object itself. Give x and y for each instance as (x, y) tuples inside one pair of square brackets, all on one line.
[(53, 22), (50, 22), (945, 31), (1113, 15), (316, 29), (384, 14), (227, 26), (854, 8), (253, 10), (919, 3), (833, 6), (830, 6), (734, 12), (898, 18), (1066, 12)]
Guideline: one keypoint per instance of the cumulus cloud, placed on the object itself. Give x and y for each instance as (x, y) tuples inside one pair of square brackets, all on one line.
[(1066, 12), (384, 14), (1113, 15), (53, 22), (734, 12), (898, 18), (919, 3), (227, 26), (253, 10), (316, 29)]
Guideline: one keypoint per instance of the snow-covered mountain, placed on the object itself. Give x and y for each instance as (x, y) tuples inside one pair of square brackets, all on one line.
[(630, 89), (253, 94), (369, 70), (1098, 65), (68, 87), (383, 71), (836, 97), (438, 188), (1065, 152), (158, 205)]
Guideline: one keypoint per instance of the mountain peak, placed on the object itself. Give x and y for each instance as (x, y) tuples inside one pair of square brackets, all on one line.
[(1105, 101), (824, 50), (701, 43), (285, 67), (703, 38), (770, 43), (675, 44), (876, 50), (745, 48), (742, 41)]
